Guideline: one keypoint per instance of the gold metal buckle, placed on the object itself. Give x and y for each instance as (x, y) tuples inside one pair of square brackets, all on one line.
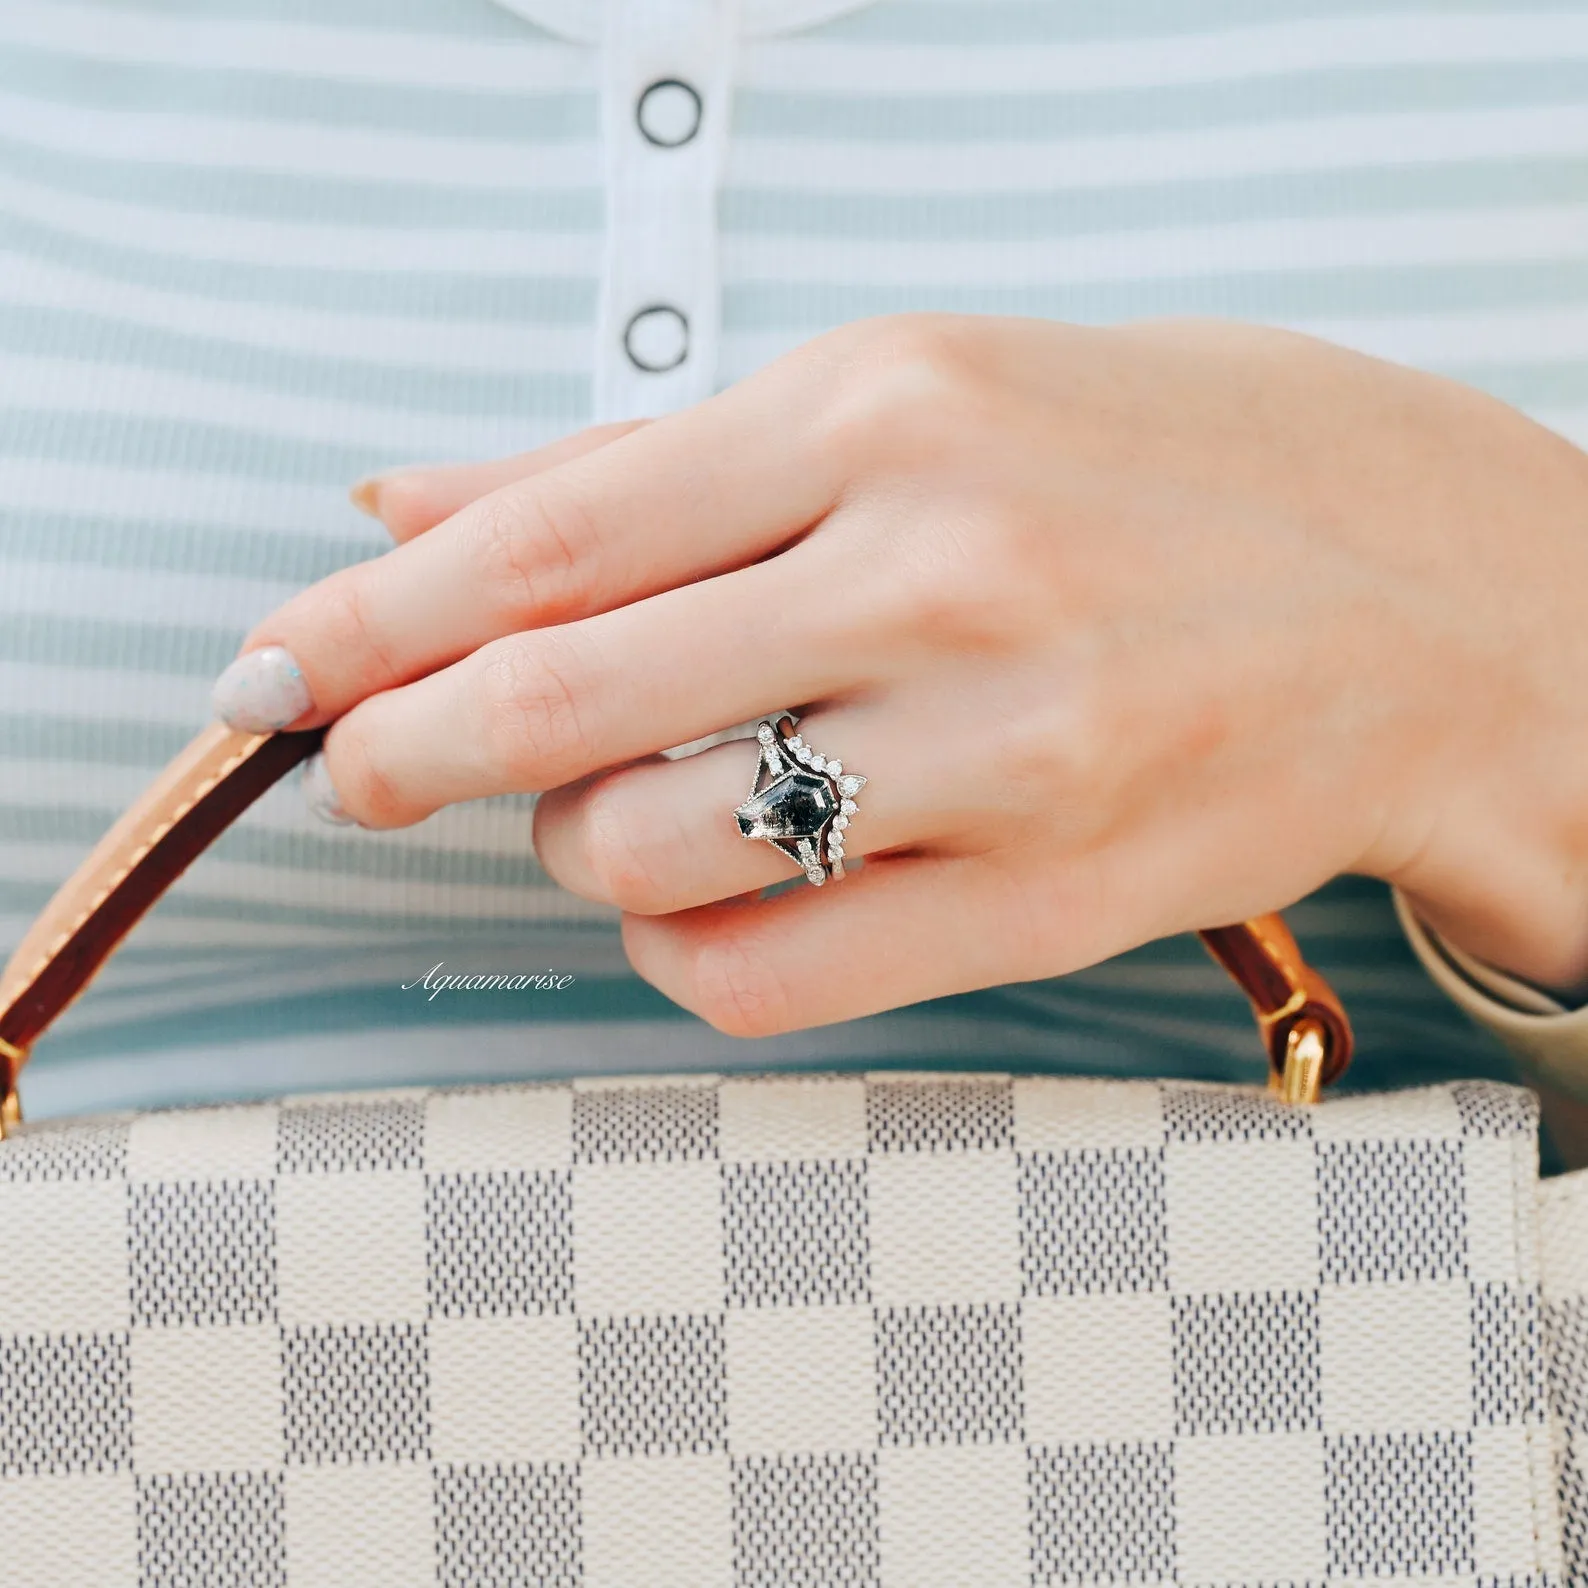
[(1302, 1078), (11, 1104)]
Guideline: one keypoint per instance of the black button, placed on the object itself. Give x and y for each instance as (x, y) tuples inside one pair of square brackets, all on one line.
[(657, 339), (668, 113)]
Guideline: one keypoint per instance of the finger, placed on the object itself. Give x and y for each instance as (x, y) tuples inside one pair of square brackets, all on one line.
[(546, 707), (662, 836), (899, 930), (700, 492), (412, 500)]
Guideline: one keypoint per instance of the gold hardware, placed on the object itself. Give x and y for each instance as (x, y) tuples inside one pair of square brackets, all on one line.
[(1305, 1050), (10, 1104)]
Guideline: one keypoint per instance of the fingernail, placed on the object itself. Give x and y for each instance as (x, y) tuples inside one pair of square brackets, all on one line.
[(365, 496), (320, 792), (261, 691)]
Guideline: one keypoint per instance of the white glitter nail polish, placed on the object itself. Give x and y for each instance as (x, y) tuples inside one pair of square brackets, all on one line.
[(320, 793), (261, 692)]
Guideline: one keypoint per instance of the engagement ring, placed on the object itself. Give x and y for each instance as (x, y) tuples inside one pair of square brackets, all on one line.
[(801, 802)]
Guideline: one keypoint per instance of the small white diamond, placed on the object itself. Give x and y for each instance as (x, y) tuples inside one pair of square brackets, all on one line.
[(840, 822), (835, 845), (804, 754), (848, 807), (818, 763), (764, 733), (850, 784), (834, 768), (816, 875), (795, 742)]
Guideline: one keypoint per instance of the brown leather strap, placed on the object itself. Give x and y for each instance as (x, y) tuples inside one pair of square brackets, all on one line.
[(1286, 993), (198, 796), (222, 773)]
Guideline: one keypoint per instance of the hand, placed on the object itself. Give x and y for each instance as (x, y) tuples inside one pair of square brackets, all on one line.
[(1133, 631)]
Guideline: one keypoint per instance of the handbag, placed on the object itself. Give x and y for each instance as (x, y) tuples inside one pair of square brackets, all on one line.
[(777, 1329)]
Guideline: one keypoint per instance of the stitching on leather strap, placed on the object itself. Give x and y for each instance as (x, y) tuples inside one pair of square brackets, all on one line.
[(203, 790)]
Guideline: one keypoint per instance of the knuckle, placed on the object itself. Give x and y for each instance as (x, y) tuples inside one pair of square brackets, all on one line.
[(367, 789), (904, 382), (535, 546), (533, 694), (622, 848), (952, 584), (1059, 761), (737, 989), (348, 627)]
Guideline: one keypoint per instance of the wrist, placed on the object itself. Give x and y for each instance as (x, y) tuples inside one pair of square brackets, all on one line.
[(1512, 894)]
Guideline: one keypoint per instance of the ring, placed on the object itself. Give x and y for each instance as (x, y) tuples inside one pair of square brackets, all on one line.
[(800, 801)]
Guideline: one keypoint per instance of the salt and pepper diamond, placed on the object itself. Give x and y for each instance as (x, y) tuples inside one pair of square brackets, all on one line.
[(803, 808)]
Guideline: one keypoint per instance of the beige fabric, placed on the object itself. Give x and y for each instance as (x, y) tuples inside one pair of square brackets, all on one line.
[(1550, 1039)]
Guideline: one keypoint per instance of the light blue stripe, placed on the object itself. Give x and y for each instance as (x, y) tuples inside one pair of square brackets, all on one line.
[(967, 24), (374, 923), (429, 296), (1268, 296), (559, 115), (529, 115), (269, 196), (203, 550), (462, 19), (99, 741), (990, 215), (126, 441), (170, 648), (1527, 385), (75, 335), (1303, 94)]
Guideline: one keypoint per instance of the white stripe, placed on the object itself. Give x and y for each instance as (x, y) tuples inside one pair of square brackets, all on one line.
[(1225, 55), (1036, 165), (74, 386), (84, 593), (1434, 238), (310, 149), (320, 246), (298, 49), (175, 496), (451, 345)]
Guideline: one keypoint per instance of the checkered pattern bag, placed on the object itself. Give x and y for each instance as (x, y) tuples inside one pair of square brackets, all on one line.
[(908, 1330)]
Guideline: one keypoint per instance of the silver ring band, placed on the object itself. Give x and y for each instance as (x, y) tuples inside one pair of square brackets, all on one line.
[(800, 802)]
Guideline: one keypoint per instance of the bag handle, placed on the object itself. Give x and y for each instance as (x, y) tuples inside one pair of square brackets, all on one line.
[(222, 772)]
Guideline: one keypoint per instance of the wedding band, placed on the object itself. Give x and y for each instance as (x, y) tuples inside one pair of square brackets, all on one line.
[(800, 802)]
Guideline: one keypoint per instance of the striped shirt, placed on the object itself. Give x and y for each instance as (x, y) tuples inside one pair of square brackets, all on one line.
[(251, 250)]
